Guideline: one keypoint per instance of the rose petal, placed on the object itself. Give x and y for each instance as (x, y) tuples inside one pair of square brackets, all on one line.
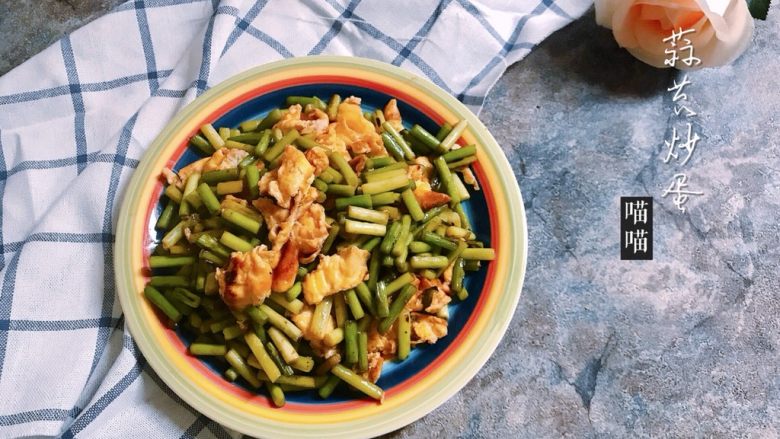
[(605, 12), (728, 45), (721, 33)]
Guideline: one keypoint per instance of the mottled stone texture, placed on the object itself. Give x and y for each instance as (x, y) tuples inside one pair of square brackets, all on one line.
[(682, 346), (29, 26)]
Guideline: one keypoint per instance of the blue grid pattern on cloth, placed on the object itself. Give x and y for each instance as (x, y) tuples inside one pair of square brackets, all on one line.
[(74, 122)]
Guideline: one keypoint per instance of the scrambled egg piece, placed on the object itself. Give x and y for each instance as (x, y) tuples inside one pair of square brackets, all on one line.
[(247, 279), (309, 232), (427, 328), (352, 130), (342, 271), (358, 163), (426, 284), (469, 178), (431, 296), (286, 270), (178, 179), (304, 223), (375, 362), (294, 175), (385, 344), (434, 300), (333, 143), (223, 158), (420, 172), (172, 178), (311, 121), (392, 115), (273, 215), (303, 321), (429, 198), (318, 157), (380, 347)]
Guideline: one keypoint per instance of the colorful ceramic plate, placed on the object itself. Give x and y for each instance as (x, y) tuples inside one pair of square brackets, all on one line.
[(433, 373)]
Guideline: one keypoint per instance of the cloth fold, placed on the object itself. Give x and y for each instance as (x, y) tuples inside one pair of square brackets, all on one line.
[(74, 122)]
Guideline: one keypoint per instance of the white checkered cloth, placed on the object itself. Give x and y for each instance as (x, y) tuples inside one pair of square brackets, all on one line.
[(75, 120)]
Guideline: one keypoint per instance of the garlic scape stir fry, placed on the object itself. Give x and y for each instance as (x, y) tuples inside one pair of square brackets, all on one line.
[(308, 247)]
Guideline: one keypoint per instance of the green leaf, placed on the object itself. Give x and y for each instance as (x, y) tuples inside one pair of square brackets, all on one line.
[(759, 8)]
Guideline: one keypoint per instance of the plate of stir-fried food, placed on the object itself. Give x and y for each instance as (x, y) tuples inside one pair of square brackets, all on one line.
[(322, 246)]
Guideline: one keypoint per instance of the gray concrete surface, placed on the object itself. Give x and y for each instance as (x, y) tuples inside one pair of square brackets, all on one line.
[(682, 346), (29, 26)]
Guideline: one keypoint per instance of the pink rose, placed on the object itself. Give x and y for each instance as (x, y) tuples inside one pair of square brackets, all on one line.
[(723, 28)]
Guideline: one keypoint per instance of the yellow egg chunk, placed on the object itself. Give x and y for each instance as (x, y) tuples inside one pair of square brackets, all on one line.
[(339, 272)]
